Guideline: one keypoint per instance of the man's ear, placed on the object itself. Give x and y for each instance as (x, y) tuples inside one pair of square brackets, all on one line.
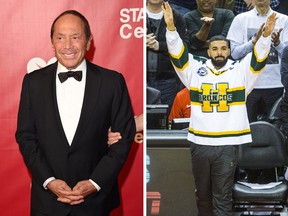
[(53, 48), (208, 51), (89, 43)]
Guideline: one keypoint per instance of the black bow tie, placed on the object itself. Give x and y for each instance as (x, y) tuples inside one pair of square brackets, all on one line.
[(63, 76)]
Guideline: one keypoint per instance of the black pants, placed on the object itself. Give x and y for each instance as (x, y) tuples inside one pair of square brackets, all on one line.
[(213, 169)]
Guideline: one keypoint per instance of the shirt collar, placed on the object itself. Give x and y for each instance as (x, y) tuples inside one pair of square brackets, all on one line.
[(82, 67)]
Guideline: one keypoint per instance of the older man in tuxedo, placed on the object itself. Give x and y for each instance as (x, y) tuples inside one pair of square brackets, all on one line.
[(65, 112)]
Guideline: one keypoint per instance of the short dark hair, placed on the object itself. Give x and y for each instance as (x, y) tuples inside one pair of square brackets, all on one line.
[(75, 13), (219, 38)]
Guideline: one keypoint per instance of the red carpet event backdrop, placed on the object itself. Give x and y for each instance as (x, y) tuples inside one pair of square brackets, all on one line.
[(117, 28)]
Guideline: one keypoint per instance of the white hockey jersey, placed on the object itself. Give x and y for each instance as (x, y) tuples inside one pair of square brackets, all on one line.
[(218, 97)]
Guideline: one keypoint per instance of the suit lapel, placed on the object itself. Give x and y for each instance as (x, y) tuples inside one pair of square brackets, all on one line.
[(91, 97), (51, 81)]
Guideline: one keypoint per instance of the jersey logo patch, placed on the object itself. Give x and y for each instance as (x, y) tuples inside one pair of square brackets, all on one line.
[(202, 71)]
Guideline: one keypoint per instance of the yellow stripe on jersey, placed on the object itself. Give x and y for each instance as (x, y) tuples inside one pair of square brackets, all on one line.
[(257, 64), (180, 61), (180, 54), (219, 134)]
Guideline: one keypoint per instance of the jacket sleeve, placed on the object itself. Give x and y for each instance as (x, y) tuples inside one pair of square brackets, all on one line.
[(122, 120), (26, 137), (228, 17)]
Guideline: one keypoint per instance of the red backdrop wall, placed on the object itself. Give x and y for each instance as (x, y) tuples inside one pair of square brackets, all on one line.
[(117, 28)]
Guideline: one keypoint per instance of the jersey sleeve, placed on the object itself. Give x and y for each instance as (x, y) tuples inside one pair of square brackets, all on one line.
[(256, 61), (181, 59)]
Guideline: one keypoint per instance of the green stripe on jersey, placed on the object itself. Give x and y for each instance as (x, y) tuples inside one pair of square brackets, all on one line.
[(219, 134), (257, 65), (180, 61)]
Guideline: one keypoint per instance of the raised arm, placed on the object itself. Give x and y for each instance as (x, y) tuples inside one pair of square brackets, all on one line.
[(181, 59), (262, 45), (168, 16)]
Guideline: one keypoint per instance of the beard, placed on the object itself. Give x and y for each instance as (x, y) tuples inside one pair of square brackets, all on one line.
[(219, 63)]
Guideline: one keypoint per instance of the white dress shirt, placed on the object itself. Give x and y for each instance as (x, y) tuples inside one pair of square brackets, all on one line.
[(70, 96)]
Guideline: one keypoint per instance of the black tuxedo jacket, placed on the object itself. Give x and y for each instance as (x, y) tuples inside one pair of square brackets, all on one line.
[(46, 151)]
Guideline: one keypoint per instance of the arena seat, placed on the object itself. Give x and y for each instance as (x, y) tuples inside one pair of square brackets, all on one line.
[(267, 151)]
